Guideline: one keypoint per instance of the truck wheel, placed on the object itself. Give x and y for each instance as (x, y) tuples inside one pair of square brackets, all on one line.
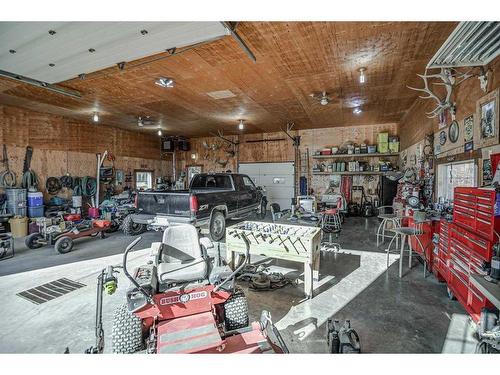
[(261, 211), (236, 312), (64, 245), (217, 226), (126, 334), (31, 241), (130, 228)]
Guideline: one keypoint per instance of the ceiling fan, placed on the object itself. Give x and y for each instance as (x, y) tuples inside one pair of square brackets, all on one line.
[(321, 97), (145, 121)]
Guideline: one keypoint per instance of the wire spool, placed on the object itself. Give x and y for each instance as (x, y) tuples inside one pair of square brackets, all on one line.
[(89, 186), (7, 179), (53, 185)]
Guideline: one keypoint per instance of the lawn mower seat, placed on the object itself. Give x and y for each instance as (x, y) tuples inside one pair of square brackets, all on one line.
[(181, 258)]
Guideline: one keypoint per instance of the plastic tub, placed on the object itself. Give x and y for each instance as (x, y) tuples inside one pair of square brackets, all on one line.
[(36, 211), (19, 226), (93, 212), (77, 201), (35, 199)]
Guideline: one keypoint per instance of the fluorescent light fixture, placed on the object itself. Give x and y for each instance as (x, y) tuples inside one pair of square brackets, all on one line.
[(95, 117), (159, 132), (362, 77), (357, 111), (241, 125), (165, 82)]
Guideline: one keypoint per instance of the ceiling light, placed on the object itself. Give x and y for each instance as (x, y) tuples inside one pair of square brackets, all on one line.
[(139, 122), (52, 32), (362, 77), (159, 132), (357, 111), (91, 50), (12, 51), (193, 156), (144, 32), (165, 82), (52, 65), (95, 117), (324, 101), (241, 125)]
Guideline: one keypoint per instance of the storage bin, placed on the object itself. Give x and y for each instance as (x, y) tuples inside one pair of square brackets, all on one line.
[(383, 137), (19, 226), (383, 148), (394, 146), (36, 211), (372, 149), (93, 212), (35, 199)]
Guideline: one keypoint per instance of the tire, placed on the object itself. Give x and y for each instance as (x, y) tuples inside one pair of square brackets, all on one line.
[(64, 245), (451, 296), (261, 213), (236, 312), (126, 334), (31, 241), (217, 226), (130, 228)]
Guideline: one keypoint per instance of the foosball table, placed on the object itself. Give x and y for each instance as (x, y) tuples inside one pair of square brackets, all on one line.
[(279, 241)]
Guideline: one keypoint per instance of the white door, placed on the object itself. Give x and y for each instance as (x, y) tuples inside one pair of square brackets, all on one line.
[(275, 178)]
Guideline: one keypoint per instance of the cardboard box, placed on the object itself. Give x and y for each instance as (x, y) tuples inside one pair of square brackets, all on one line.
[(383, 138), (383, 147), (394, 146)]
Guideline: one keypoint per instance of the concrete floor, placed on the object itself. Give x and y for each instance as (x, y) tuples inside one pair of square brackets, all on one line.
[(391, 315)]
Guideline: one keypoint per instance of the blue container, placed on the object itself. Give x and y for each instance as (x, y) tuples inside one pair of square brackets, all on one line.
[(36, 211), (35, 199)]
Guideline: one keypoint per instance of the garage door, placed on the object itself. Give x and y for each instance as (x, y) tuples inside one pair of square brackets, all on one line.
[(276, 178)]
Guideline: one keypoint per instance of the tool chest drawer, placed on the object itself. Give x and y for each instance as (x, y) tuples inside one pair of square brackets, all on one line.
[(474, 243), (476, 209)]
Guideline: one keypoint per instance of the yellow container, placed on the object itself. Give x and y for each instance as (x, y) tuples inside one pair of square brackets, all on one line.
[(383, 148), (19, 226)]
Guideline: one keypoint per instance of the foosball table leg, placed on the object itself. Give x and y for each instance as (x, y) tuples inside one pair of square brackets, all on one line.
[(308, 280), (316, 264)]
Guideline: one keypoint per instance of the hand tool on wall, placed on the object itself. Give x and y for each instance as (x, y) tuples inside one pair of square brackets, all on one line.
[(7, 178)]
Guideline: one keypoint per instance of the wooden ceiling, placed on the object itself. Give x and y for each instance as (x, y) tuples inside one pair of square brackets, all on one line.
[(294, 59)]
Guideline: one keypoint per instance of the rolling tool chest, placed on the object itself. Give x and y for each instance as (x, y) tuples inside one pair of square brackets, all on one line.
[(466, 245)]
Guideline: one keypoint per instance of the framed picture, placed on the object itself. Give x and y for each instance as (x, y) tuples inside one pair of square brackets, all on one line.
[(486, 120), (468, 128), (453, 132), (119, 177), (442, 138), (468, 146)]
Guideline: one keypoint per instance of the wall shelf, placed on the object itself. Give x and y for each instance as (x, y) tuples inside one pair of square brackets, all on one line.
[(338, 156)]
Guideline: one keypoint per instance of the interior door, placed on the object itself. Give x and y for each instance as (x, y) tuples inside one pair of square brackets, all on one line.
[(276, 178)]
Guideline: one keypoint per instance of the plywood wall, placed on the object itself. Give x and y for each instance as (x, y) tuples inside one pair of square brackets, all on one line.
[(62, 146), (415, 124)]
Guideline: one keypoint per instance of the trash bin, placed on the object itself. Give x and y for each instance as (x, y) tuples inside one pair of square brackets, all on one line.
[(19, 226)]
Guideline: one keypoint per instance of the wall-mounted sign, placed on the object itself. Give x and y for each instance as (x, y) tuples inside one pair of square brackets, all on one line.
[(468, 128)]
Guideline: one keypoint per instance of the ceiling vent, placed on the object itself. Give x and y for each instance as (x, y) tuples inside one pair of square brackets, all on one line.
[(470, 44), (223, 94)]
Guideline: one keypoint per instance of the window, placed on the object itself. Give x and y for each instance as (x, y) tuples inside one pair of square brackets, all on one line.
[(455, 174), (248, 183), (202, 181), (143, 180)]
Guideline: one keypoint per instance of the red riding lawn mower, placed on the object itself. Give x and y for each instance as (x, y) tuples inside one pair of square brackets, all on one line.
[(182, 301)]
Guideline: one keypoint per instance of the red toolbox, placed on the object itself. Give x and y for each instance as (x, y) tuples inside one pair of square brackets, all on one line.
[(475, 209), (467, 244)]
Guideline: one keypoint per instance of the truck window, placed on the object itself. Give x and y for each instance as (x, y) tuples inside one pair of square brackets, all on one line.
[(248, 183), (202, 181)]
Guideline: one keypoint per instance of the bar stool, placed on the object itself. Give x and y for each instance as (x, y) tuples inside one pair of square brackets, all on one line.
[(407, 233), (393, 217)]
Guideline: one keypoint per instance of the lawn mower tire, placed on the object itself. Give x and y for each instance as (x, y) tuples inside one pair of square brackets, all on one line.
[(31, 241), (126, 334), (64, 245), (130, 228), (236, 312), (217, 226)]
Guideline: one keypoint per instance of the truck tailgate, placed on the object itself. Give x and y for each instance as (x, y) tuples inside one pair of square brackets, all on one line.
[(164, 203)]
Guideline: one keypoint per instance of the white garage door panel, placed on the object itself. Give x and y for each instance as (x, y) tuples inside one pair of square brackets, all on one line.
[(276, 178)]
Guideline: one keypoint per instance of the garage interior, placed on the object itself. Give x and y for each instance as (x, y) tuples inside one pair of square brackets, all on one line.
[(340, 176)]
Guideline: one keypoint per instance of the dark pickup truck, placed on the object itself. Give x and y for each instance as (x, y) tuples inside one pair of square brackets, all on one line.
[(210, 200)]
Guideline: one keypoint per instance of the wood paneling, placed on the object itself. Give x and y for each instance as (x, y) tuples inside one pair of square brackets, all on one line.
[(294, 59), (415, 124)]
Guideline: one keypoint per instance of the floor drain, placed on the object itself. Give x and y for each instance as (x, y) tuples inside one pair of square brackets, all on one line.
[(50, 291)]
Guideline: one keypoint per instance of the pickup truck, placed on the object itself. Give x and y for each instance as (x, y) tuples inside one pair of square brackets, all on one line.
[(210, 200)]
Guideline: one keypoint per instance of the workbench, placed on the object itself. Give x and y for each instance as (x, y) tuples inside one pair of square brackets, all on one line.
[(490, 290), (279, 241)]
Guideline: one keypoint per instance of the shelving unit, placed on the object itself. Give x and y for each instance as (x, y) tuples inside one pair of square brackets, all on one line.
[(339, 156)]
